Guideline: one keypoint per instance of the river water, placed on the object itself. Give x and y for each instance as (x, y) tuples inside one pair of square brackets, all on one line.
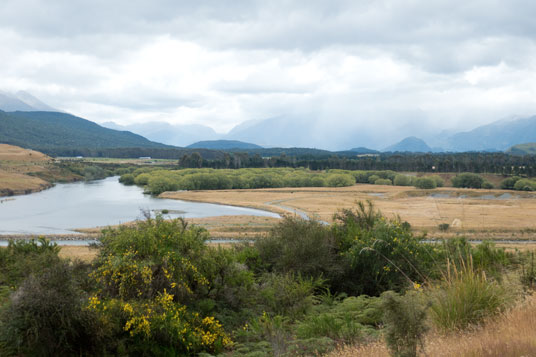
[(65, 207)]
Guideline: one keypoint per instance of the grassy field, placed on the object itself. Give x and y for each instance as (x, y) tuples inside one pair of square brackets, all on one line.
[(488, 214), (15, 166)]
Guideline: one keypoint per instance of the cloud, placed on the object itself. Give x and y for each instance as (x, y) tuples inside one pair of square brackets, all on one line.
[(384, 65)]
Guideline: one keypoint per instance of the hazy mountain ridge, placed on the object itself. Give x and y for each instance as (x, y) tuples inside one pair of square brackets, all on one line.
[(163, 132), (223, 145), (409, 144), (22, 101)]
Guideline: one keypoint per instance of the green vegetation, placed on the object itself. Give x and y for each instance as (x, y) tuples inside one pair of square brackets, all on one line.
[(469, 180), (156, 288), (52, 130), (466, 297), (158, 181), (519, 184), (404, 318)]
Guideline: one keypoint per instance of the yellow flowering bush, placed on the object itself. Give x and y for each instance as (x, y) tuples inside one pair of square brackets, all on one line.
[(153, 256), (146, 274)]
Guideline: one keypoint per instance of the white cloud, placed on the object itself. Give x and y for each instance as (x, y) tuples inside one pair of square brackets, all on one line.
[(415, 65)]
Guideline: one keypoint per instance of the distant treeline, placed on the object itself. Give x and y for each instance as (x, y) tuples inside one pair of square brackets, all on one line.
[(498, 163)]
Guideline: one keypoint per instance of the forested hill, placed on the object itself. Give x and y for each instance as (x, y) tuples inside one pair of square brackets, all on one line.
[(49, 130)]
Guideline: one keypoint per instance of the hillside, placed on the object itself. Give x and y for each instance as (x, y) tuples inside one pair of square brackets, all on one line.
[(364, 150), (48, 130), (409, 144), (523, 149), (17, 165), (223, 145)]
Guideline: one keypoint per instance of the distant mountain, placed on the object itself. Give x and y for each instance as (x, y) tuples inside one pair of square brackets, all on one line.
[(409, 144), (497, 136), (42, 130), (162, 132), (523, 149), (22, 101), (363, 150), (272, 132), (223, 145)]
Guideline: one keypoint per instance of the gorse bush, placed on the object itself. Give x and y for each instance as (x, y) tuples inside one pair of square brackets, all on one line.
[(146, 274), (380, 254)]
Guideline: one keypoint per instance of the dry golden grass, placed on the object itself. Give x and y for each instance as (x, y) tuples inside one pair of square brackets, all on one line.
[(15, 164), (472, 215), (511, 335), (83, 253), (18, 154)]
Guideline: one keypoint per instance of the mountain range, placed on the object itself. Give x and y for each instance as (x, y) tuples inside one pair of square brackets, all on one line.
[(278, 132)]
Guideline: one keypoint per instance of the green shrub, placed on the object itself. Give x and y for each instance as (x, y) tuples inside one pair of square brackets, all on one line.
[(303, 247), (286, 294), (508, 183), (22, 258), (425, 183), (403, 180), (157, 185), (127, 179), (46, 316), (340, 180), (142, 179), (373, 178), (404, 318), (467, 180), (383, 182), (438, 180), (487, 185), (525, 185), (380, 254), (443, 227)]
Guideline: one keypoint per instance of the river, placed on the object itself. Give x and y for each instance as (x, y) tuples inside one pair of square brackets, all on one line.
[(65, 207)]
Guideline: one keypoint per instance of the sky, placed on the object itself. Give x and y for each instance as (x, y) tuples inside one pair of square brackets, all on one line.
[(422, 65)]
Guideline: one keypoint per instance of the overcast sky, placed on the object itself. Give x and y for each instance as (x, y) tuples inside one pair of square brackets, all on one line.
[(425, 64)]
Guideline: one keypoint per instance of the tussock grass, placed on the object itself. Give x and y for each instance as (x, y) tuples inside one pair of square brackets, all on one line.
[(466, 297)]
